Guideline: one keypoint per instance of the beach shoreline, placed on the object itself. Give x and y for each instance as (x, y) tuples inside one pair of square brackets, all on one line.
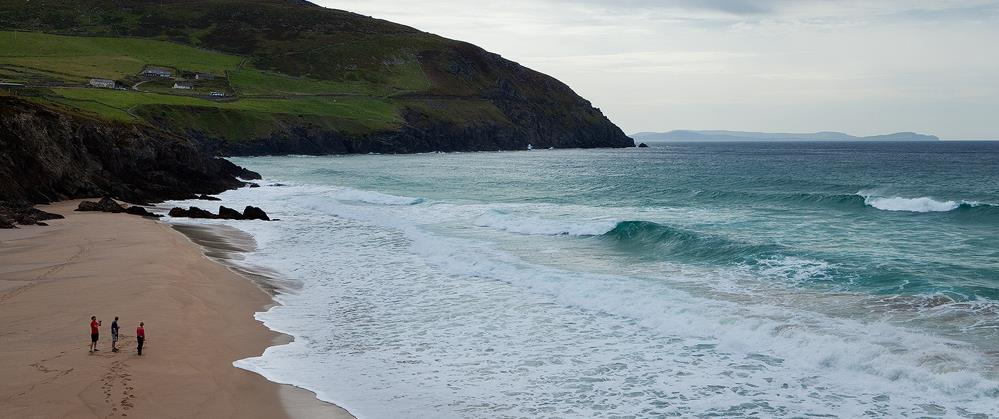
[(198, 315)]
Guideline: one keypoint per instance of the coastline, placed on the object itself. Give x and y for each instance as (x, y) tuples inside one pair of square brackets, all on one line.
[(198, 315)]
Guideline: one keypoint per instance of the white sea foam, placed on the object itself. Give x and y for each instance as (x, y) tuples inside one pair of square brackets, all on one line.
[(372, 197), (397, 320), (533, 225), (920, 204)]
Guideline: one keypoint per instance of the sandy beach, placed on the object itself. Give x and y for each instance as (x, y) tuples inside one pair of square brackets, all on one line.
[(198, 318)]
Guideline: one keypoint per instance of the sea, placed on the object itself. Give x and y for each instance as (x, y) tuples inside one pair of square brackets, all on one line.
[(766, 279)]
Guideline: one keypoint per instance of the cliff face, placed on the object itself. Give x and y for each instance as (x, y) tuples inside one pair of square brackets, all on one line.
[(48, 154), (423, 134)]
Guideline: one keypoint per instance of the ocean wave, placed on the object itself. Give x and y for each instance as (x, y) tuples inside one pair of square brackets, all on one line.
[(502, 220), (860, 200), (662, 239), (377, 198), (920, 204)]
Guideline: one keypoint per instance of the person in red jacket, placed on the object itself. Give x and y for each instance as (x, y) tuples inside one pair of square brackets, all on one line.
[(140, 336), (94, 332)]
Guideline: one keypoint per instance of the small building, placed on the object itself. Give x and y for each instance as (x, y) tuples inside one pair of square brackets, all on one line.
[(204, 76), (184, 85), (217, 94), (157, 72), (102, 83)]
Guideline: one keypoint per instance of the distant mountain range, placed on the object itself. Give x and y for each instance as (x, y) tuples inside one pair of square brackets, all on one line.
[(721, 135)]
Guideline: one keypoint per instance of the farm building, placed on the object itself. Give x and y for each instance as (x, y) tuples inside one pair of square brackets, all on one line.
[(217, 94), (157, 72), (102, 83), (185, 85)]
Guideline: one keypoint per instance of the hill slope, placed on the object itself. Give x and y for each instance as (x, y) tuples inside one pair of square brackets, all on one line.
[(283, 76)]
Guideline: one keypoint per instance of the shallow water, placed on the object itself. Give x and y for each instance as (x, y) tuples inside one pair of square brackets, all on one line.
[(774, 279)]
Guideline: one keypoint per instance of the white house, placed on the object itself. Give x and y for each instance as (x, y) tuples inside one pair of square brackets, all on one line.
[(102, 83), (184, 85), (157, 72)]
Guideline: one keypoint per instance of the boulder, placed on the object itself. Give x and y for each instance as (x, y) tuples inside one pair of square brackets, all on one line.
[(254, 213), (204, 197), (192, 212), (195, 212), (252, 185), (227, 213), (177, 212), (137, 210), (106, 204), (24, 213), (643, 145)]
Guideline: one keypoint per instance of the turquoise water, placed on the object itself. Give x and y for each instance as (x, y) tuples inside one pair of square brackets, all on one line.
[(773, 279)]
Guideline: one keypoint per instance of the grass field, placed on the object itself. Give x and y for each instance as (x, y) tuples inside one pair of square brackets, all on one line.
[(365, 113), (265, 101), (114, 58), (255, 82)]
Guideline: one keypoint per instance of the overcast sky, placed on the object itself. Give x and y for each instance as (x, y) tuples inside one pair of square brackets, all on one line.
[(863, 67)]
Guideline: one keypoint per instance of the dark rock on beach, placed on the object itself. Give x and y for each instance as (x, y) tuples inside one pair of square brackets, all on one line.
[(13, 213), (106, 204), (204, 197), (137, 210), (227, 213), (195, 212), (643, 145), (254, 213)]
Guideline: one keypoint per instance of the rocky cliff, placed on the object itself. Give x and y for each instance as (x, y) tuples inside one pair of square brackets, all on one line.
[(49, 154)]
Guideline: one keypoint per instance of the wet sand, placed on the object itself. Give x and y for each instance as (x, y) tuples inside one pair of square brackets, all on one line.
[(198, 316)]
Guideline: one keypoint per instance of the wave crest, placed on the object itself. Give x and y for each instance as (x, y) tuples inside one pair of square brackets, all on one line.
[(377, 198), (676, 242), (920, 204), (501, 220)]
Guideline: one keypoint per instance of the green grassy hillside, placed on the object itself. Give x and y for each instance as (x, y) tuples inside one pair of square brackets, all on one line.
[(281, 66)]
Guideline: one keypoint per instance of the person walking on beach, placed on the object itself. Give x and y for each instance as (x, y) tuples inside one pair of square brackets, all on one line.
[(114, 334), (140, 336), (94, 332)]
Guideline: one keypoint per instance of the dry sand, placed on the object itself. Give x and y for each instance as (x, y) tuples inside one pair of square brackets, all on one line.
[(198, 316)]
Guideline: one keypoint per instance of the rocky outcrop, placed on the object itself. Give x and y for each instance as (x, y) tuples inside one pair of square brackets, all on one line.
[(423, 134), (23, 213), (192, 212), (140, 211), (254, 213), (49, 154), (106, 204), (225, 213)]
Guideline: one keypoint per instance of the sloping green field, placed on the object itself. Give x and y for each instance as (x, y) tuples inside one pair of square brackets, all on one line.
[(267, 98), (113, 58)]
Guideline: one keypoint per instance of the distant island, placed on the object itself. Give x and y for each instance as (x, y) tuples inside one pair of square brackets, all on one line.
[(721, 135)]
